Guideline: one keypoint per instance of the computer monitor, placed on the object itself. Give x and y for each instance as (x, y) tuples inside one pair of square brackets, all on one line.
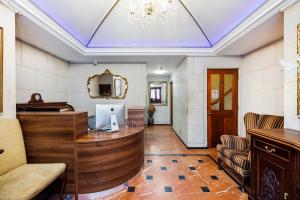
[(104, 112)]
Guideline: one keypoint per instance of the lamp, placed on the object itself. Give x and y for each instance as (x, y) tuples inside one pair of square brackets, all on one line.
[(160, 71)]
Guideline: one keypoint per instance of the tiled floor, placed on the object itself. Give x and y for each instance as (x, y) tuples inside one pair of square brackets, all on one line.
[(180, 177), (172, 171)]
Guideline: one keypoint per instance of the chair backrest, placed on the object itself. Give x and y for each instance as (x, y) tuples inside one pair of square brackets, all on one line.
[(11, 140), (270, 121), (257, 121), (250, 120)]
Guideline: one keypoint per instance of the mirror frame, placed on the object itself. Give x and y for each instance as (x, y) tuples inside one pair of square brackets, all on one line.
[(149, 93), (107, 72)]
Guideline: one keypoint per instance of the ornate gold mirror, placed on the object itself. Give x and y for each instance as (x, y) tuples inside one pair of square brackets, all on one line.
[(107, 86), (158, 93)]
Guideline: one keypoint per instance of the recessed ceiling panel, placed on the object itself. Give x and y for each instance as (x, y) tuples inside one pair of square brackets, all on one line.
[(219, 17), (179, 31), (78, 17)]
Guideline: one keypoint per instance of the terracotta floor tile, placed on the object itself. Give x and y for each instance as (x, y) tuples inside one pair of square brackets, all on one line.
[(162, 146)]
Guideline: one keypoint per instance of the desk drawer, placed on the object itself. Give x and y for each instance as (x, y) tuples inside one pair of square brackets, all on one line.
[(273, 149)]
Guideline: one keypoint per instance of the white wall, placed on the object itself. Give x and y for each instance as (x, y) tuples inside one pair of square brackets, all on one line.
[(261, 85), (197, 94), (190, 103), (7, 22), (40, 72), (291, 20), (180, 101), (137, 85), (162, 113)]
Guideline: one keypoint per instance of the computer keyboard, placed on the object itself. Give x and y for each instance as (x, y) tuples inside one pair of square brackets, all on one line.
[(106, 127)]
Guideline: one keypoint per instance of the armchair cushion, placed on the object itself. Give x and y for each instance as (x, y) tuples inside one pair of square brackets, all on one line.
[(235, 142), (239, 158), (26, 181)]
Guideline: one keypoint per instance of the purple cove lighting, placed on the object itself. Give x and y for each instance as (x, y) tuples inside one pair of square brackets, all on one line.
[(144, 43), (42, 5), (83, 38), (157, 44), (254, 6)]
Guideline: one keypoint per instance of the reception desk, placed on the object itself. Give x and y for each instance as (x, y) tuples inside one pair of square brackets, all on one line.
[(95, 161), (106, 160)]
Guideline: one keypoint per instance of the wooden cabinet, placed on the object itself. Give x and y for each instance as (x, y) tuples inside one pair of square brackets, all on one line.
[(136, 117), (275, 156)]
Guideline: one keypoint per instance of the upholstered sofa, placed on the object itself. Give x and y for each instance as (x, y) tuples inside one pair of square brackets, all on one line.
[(18, 179), (234, 152)]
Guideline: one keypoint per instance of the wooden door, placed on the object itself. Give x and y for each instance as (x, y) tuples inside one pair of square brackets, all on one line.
[(222, 104)]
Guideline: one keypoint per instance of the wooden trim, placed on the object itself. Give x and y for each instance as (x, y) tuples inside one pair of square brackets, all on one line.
[(285, 137)]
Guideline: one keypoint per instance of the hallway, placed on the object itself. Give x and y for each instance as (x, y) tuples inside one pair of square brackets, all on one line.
[(162, 139)]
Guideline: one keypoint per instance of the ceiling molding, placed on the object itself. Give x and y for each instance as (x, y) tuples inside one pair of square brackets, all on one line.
[(149, 51), (102, 21), (262, 15), (37, 16), (34, 14), (199, 26)]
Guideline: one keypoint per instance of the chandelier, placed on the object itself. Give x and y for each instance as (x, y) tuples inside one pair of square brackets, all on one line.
[(147, 11)]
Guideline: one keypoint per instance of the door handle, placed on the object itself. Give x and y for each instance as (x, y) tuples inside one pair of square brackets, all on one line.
[(286, 195), (269, 150), (209, 113)]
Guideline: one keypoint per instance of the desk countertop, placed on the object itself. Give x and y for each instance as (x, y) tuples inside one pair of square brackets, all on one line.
[(106, 136)]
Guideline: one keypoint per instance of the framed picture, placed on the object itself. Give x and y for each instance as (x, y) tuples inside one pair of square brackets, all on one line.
[(298, 39), (1, 70), (298, 71)]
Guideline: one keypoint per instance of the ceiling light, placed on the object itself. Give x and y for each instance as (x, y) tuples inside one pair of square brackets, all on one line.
[(160, 71), (147, 11)]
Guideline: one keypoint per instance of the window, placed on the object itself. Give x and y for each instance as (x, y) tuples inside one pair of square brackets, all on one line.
[(155, 95)]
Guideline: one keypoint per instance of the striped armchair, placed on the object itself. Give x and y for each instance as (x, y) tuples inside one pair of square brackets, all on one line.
[(234, 152)]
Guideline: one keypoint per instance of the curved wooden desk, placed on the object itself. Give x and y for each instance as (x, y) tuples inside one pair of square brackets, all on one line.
[(106, 160)]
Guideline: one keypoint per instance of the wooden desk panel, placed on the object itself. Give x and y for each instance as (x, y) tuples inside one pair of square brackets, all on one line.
[(50, 138), (95, 162), (109, 159)]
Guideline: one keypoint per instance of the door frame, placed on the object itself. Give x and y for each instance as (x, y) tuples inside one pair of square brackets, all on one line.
[(235, 104)]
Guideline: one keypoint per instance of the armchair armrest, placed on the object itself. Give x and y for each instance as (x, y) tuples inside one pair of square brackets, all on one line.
[(235, 142), (1, 151)]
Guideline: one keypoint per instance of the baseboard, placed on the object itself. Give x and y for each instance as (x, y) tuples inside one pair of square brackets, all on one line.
[(185, 143)]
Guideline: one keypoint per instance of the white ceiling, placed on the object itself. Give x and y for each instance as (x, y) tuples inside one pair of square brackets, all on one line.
[(266, 33), (94, 30), (104, 24)]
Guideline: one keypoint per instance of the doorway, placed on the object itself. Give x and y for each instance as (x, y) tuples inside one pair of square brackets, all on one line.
[(222, 104), (171, 103)]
